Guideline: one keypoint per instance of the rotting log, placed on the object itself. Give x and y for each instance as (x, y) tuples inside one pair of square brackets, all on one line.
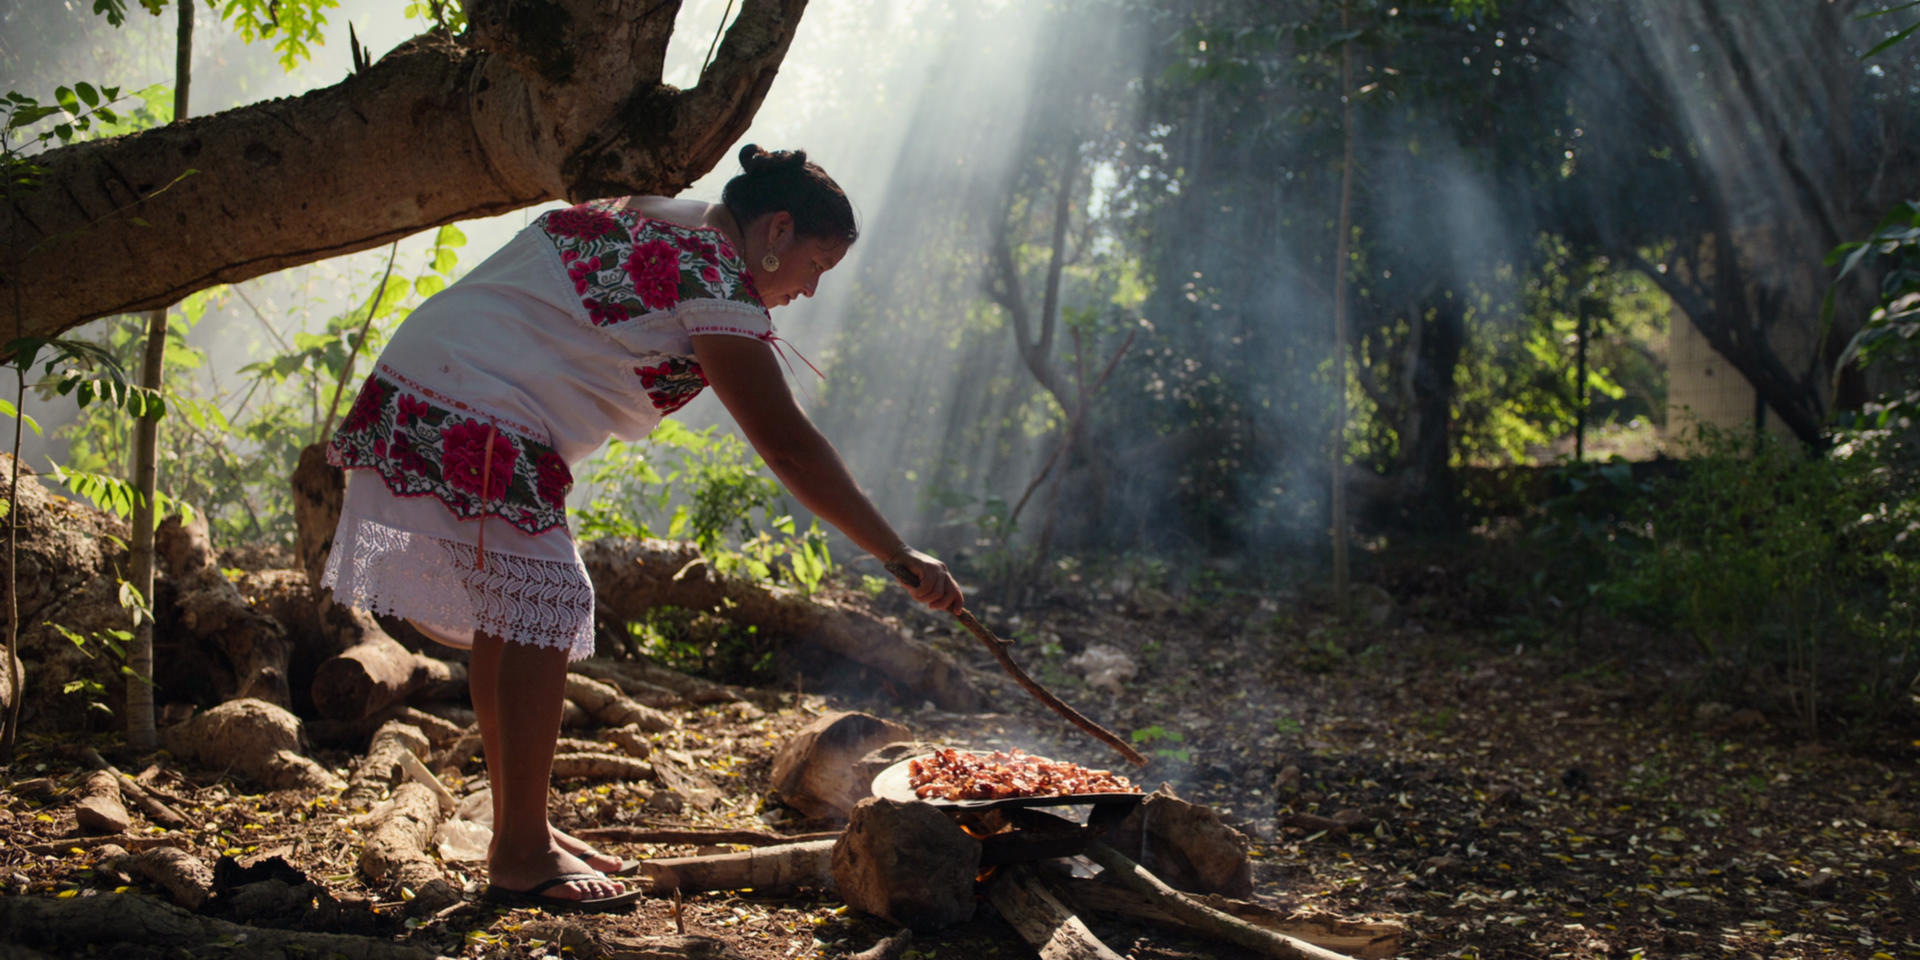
[(1205, 919), (609, 707), (768, 870), (1041, 920), (101, 924), (632, 577), (380, 768), (657, 686), (395, 856), (100, 812), (255, 738), (1363, 939), (185, 878), (211, 609), (600, 766), (378, 673), (152, 806)]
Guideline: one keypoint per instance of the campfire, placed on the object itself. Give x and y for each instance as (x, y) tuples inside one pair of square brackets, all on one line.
[(1041, 862)]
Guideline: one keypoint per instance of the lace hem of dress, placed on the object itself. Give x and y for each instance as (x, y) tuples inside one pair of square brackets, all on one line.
[(432, 581)]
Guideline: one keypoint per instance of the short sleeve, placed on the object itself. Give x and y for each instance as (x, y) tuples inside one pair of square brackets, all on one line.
[(702, 316)]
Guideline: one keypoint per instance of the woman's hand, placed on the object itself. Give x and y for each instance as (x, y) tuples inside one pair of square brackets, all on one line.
[(927, 579)]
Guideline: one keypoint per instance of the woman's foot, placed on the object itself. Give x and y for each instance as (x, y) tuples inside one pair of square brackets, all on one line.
[(600, 862), (526, 873)]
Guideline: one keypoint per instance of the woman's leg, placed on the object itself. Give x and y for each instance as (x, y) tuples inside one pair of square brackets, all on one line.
[(518, 691), (483, 683)]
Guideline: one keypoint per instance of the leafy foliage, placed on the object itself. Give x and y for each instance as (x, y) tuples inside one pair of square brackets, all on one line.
[(708, 489)]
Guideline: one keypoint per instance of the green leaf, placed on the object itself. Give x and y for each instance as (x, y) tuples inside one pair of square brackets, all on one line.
[(1890, 41), (88, 94), (7, 409)]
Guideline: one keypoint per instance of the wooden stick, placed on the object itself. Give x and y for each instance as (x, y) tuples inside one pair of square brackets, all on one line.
[(999, 651), (156, 811), (744, 837), (1202, 917), (1053, 930), (1365, 940), (768, 870)]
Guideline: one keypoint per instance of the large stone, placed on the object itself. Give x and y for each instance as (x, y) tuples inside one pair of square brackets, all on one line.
[(818, 771), (906, 862)]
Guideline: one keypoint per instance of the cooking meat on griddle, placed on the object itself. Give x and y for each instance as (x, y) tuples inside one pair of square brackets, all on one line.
[(962, 775)]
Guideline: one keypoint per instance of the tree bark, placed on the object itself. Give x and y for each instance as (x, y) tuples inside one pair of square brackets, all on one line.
[(539, 100)]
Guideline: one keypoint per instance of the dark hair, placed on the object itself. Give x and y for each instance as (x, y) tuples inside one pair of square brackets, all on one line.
[(777, 180)]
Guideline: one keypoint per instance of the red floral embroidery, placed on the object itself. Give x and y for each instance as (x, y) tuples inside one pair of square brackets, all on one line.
[(423, 450), (409, 408), (463, 459), (672, 383), (582, 272), (553, 479), (605, 314), (655, 268), (581, 221), (366, 407)]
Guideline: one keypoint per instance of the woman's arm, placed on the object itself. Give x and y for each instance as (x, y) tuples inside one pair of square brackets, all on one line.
[(746, 377)]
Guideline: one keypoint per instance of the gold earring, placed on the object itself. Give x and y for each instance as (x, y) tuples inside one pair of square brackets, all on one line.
[(770, 263)]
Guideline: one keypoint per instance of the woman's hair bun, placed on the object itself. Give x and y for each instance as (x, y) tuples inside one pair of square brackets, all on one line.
[(754, 159), (776, 180)]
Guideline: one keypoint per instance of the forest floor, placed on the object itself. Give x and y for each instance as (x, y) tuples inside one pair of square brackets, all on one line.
[(1522, 800)]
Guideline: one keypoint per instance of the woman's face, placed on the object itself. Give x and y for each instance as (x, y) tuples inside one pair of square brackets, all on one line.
[(802, 261)]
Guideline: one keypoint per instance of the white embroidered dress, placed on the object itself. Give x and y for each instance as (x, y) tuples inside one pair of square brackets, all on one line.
[(459, 448)]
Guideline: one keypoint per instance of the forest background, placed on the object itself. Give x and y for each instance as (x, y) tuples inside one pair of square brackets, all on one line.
[(1090, 336)]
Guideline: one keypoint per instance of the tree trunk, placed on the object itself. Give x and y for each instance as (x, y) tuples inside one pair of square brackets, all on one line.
[(78, 926), (632, 577), (538, 101)]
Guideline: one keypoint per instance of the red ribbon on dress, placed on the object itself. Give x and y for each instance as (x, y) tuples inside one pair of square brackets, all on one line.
[(486, 473)]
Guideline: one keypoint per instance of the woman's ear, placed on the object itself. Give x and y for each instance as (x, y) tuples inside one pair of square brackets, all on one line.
[(779, 230)]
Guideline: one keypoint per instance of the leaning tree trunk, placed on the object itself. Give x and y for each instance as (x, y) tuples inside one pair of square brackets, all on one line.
[(563, 101)]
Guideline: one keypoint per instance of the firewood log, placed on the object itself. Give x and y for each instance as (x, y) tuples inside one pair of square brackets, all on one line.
[(380, 768), (395, 857), (1053, 930), (1201, 917), (255, 738), (768, 870), (1365, 940), (100, 810), (377, 673), (254, 645), (187, 880), (611, 708), (600, 766)]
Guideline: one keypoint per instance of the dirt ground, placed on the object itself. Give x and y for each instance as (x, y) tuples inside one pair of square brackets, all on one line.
[(1513, 799)]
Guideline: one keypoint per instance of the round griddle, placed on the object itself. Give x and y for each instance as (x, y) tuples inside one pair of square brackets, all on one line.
[(893, 784)]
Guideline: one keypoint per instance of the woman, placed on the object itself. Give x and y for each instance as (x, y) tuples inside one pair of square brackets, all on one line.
[(596, 320)]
